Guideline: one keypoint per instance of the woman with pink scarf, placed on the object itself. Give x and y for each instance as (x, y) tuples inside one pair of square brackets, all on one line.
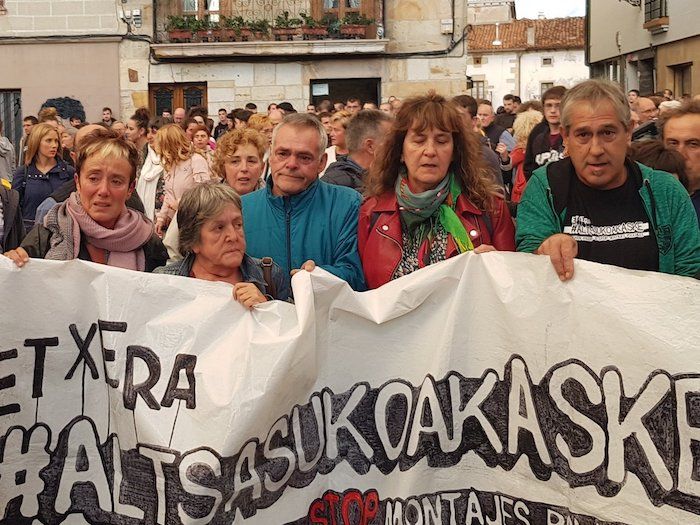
[(94, 224)]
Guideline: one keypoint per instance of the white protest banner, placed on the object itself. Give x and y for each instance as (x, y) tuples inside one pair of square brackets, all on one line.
[(480, 390)]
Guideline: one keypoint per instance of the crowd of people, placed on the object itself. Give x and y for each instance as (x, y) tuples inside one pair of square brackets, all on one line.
[(369, 193)]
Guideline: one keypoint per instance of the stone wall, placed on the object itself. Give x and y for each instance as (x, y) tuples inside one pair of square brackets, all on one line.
[(59, 17)]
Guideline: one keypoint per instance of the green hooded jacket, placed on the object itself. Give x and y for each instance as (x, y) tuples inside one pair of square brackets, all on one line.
[(542, 212)]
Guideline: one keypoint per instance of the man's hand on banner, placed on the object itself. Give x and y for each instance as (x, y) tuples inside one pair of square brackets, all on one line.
[(18, 256), (309, 266), (248, 294), (562, 249)]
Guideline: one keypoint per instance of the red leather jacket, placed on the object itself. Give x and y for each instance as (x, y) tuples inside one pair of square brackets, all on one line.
[(380, 241)]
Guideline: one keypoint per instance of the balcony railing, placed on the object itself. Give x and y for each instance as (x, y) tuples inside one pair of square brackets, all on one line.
[(191, 21), (188, 29)]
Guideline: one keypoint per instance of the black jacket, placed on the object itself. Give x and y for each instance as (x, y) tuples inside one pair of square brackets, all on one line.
[(493, 133), (539, 151), (37, 243), (13, 229), (345, 172)]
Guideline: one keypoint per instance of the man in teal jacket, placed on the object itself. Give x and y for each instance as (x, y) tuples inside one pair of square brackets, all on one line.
[(599, 206), (298, 220)]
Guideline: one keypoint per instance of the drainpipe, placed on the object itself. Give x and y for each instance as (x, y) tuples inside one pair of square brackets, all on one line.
[(155, 17)]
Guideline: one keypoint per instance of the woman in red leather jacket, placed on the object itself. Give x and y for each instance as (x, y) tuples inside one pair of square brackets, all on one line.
[(429, 195)]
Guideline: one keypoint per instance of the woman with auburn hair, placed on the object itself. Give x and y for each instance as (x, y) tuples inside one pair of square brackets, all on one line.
[(338, 149), (44, 170), (183, 169), (238, 160), (94, 224), (430, 195), (137, 131), (200, 139)]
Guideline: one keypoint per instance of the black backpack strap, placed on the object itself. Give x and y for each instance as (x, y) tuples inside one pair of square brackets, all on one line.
[(266, 264), (559, 177)]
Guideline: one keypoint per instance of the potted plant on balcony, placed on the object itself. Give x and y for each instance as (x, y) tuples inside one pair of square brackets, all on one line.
[(354, 25), (207, 31), (258, 28), (231, 28), (180, 28), (285, 27), (313, 29)]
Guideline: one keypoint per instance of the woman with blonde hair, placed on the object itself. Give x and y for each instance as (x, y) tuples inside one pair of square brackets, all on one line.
[(49, 115), (262, 124), (44, 170), (338, 149), (183, 169), (238, 160), (523, 125), (429, 195)]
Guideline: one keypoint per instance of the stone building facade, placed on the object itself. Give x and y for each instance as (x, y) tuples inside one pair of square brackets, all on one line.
[(117, 53), (649, 45)]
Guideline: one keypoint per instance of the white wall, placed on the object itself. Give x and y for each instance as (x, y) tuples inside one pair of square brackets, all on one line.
[(568, 68), (500, 71)]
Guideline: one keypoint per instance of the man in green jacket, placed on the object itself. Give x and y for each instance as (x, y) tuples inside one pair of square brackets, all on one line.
[(599, 206)]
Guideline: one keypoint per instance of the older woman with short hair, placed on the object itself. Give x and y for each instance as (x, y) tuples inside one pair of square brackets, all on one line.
[(94, 224), (430, 195), (212, 241)]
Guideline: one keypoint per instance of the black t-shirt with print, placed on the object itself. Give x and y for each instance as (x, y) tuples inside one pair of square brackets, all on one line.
[(611, 226)]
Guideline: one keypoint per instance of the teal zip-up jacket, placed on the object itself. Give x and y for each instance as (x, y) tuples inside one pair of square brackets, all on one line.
[(542, 212), (319, 223)]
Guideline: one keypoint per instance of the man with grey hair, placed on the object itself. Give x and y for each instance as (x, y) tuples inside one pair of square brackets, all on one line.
[(298, 220), (364, 135), (598, 205)]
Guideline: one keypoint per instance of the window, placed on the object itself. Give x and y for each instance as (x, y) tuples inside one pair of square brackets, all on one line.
[(338, 9), (202, 9), (477, 61), (171, 96), (547, 61), (654, 9), (544, 86), (479, 89), (341, 89)]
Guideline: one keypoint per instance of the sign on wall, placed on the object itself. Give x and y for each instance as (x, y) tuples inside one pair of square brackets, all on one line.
[(479, 390)]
